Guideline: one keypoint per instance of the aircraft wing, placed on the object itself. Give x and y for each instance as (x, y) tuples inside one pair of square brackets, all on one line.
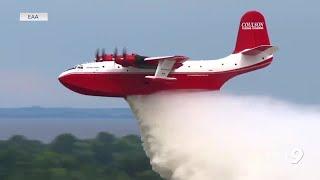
[(158, 58), (165, 66)]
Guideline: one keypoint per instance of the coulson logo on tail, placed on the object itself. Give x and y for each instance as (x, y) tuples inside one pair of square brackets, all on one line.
[(252, 25)]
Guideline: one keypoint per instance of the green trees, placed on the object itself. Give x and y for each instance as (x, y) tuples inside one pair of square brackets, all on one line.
[(69, 158)]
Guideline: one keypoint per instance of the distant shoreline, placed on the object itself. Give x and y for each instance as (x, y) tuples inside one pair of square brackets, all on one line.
[(41, 112), (46, 123)]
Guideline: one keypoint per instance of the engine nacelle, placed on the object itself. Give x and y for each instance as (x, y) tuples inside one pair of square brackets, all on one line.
[(107, 57), (124, 59), (129, 60)]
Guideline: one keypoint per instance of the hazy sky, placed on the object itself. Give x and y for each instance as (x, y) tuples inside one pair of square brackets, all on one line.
[(32, 55)]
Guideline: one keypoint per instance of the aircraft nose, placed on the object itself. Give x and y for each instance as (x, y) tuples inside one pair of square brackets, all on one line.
[(73, 82), (65, 79), (61, 78)]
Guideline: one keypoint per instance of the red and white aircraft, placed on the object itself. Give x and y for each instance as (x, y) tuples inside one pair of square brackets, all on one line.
[(131, 74)]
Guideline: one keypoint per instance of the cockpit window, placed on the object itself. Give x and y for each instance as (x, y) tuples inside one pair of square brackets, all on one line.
[(79, 67), (76, 67)]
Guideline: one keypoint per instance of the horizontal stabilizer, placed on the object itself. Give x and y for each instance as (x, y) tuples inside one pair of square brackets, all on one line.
[(259, 49), (161, 78)]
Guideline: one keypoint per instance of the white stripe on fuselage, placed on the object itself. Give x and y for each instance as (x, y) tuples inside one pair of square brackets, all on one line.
[(231, 62)]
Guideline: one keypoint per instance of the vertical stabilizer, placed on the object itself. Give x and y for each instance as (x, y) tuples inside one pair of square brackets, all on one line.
[(252, 32)]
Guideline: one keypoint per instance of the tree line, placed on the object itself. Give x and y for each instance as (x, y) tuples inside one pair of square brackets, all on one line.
[(105, 157)]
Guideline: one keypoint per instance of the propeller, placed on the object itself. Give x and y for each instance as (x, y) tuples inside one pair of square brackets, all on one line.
[(124, 53), (103, 54), (97, 56), (115, 53)]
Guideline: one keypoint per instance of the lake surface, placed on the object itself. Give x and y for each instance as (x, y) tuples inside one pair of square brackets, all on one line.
[(46, 123)]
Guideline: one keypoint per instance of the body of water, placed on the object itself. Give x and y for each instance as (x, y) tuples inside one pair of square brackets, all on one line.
[(45, 124)]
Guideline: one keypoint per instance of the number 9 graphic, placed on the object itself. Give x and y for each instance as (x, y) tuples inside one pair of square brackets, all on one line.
[(296, 156)]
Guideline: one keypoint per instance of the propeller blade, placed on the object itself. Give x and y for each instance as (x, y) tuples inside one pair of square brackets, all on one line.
[(103, 55), (124, 52), (97, 54), (115, 53)]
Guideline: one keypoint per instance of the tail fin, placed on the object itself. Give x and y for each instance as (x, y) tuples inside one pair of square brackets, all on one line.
[(252, 32)]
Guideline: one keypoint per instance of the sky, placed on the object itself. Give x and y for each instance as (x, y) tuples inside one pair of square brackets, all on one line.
[(33, 54)]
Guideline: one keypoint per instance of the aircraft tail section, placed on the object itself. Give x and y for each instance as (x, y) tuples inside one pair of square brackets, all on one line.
[(252, 32)]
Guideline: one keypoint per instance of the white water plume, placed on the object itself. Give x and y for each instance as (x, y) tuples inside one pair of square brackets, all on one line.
[(214, 136)]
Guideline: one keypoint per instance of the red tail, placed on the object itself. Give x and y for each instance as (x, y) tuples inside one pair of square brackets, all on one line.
[(252, 32)]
